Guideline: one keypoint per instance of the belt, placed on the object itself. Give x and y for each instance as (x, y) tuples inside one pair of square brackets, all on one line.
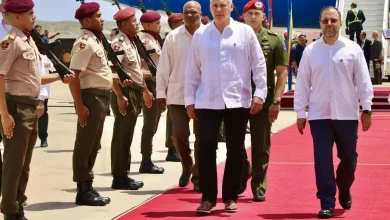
[(99, 92), (22, 99)]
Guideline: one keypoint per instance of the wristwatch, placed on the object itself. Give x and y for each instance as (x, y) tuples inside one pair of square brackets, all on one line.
[(367, 112), (275, 102)]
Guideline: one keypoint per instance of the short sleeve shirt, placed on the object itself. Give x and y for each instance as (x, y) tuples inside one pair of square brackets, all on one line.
[(89, 56), (130, 60), (150, 44), (20, 64)]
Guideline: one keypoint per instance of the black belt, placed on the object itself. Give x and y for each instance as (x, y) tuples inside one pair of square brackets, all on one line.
[(99, 92), (22, 99)]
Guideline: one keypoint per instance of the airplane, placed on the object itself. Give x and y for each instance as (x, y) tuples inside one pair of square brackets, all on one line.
[(305, 15)]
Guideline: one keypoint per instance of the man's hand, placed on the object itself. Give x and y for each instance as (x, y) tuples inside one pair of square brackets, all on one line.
[(257, 105), (273, 113), (123, 103), (8, 124), (191, 112), (83, 114), (126, 83), (68, 78), (301, 124), (366, 121), (162, 104), (40, 108), (148, 98)]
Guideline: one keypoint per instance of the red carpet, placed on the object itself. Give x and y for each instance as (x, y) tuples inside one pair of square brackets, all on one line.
[(291, 183)]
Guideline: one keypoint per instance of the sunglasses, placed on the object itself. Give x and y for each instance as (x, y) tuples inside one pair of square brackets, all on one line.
[(332, 20)]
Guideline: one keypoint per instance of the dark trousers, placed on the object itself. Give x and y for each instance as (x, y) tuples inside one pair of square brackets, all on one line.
[(87, 142), (325, 133), (168, 133), (377, 71), (354, 31), (209, 121), (151, 119), (43, 123), (181, 134), (123, 133), (17, 156)]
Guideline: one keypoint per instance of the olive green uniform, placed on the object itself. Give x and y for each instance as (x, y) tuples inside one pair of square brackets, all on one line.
[(20, 66), (275, 53)]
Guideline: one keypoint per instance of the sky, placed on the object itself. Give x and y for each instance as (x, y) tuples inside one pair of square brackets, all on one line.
[(64, 10)]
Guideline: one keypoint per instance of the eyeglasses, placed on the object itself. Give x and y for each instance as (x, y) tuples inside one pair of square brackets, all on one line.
[(332, 20)]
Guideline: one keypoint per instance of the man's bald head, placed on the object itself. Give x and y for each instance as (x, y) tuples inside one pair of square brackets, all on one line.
[(192, 4), (375, 34)]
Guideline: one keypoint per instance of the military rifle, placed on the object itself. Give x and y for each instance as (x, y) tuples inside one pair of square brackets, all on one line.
[(167, 11), (112, 56), (140, 46), (46, 49)]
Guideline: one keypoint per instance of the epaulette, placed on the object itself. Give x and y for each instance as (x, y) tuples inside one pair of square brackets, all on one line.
[(272, 33), (12, 36), (122, 38), (85, 36)]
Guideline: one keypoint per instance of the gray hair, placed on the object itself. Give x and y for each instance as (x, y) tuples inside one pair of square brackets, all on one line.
[(229, 1), (193, 2)]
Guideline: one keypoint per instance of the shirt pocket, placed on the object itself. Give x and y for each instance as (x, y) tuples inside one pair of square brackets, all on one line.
[(29, 59), (343, 66), (131, 57)]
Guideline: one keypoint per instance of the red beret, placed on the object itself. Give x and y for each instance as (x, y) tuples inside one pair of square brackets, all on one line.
[(124, 13), (241, 19), (86, 10), (175, 17), (254, 4), (18, 6), (150, 16), (205, 20)]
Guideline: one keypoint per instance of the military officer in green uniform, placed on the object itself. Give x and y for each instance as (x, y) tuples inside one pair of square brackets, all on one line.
[(276, 56)]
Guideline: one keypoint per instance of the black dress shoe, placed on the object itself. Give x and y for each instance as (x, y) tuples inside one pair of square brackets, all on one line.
[(150, 168), (44, 143), (258, 197), (345, 200), (126, 183), (173, 157), (197, 188), (326, 213), (107, 200), (184, 179)]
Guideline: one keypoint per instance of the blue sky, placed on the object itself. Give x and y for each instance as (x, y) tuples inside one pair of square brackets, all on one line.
[(60, 10)]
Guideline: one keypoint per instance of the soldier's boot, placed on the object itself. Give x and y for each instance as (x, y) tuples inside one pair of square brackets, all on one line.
[(126, 183), (16, 216), (86, 195), (172, 155), (150, 168)]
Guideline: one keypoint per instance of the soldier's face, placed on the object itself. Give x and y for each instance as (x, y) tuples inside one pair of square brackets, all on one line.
[(192, 14), (131, 25), (330, 23), (26, 20), (155, 26), (254, 18), (96, 21), (221, 10)]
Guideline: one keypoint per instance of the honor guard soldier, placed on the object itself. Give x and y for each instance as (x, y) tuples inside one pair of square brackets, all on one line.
[(21, 81), (151, 112), (275, 53), (91, 94), (125, 101)]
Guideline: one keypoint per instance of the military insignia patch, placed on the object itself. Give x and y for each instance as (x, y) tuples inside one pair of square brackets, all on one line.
[(259, 5), (85, 37), (4, 46), (82, 46), (12, 36), (122, 38), (116, 48), (284, 45)]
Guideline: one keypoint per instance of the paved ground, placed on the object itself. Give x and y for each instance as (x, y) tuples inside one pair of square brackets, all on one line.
[(51, 191)]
